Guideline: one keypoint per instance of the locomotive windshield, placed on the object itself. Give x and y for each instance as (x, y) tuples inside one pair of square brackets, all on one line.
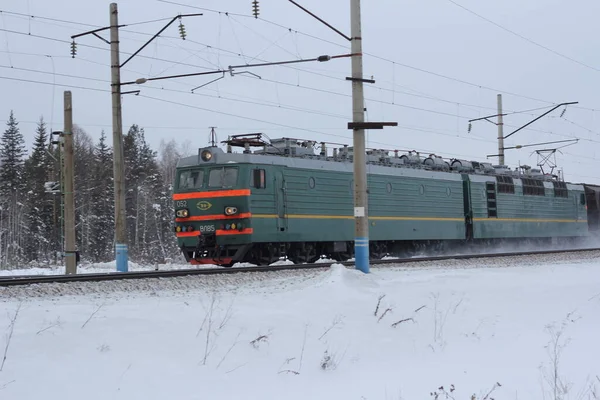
[(223, 177), (191, 179)]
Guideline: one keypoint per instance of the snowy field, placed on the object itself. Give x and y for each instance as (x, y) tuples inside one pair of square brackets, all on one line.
[(522, 328)]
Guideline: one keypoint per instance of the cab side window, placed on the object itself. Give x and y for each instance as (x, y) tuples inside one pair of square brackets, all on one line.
[(259, 180)]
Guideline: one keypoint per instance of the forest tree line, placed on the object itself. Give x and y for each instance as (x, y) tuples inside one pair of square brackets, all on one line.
[(31, 228)]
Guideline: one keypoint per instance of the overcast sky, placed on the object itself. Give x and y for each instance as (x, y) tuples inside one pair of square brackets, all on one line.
[(436, 66)]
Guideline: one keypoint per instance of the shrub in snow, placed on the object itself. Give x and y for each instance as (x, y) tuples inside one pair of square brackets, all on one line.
[(330, 360), (327, 361), (256, 342), (443, 393)]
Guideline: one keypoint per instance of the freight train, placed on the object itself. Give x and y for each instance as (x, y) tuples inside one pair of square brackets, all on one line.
[(293, 198)]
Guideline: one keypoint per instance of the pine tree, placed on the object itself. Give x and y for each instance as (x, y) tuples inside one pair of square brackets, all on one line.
[(39, 203), (132, 177), (12, 153), (84, 163), (145, 200), (12, 185), (149, 212), (102, 231)]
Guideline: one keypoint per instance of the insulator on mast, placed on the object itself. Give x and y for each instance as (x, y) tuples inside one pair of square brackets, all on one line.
[(182, 30), (73, 49), (255, 11)]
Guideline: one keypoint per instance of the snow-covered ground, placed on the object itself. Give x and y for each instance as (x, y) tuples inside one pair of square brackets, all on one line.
[(397, 333)]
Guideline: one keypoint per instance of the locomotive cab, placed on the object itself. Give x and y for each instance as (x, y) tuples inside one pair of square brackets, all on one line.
[(212, 215)]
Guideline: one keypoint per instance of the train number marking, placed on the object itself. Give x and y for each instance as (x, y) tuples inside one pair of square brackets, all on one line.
[(181, 204), (206, 228)]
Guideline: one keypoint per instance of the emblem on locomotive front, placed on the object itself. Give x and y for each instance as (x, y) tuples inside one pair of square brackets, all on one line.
[(203, 205)]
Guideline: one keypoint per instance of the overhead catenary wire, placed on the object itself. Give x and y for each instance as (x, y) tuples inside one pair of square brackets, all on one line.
[(283, 106), (524, 38), (97, 47), (277, 124), (302, 70), (312, 111), (400, 105), (312, 36), (241, 116), (76, 22), (53, 84), (455, 115), (396, 62), (321, 90)]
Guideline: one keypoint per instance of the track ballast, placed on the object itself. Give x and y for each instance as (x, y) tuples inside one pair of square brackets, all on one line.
[(111, 276)]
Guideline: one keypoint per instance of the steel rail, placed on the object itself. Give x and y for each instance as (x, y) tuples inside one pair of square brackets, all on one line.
[(16, 280)]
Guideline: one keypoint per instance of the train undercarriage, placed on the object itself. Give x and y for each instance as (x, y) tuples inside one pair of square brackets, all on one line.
[(208, 252)]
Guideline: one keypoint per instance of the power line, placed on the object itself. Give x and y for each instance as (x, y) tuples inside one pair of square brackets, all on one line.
[(577, 125), (369, 99), (313, 89), (43, 19), (53, 73), (284, 83), (97, 48), (53, 84), (208, 46), (342, 79), (75, 22), (278, 105), (554, 133), (524, 38), (295, 68), (236, 115), (412, 128), (274, 105), (290, 30), (196, 66), (326, 91), (205, 9), (377, 56)]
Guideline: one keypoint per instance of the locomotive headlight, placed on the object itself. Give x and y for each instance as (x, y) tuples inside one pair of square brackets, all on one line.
[(231, 210), (183, 213), (206, 155)]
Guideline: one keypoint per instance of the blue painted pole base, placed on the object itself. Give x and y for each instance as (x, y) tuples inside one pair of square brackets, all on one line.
[(121, 253), (361, 254)]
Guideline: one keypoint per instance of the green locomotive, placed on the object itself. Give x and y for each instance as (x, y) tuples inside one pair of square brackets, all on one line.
[(290, 198)]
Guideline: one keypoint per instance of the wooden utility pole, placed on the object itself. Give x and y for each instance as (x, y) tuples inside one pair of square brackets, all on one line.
[(118, 162), (69, 184)]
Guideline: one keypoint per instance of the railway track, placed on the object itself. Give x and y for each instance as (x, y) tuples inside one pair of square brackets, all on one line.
[(16, 280)]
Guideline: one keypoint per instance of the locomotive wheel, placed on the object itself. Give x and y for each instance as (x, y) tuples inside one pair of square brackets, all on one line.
[(262, 255), (304, 253), (254, 256), (378, 250)]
